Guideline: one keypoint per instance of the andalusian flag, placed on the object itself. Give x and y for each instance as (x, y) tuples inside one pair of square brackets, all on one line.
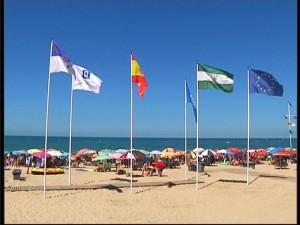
[(138, 76), (209, 77)]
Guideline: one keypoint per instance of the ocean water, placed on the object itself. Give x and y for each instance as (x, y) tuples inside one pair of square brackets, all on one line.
[(12, 143)]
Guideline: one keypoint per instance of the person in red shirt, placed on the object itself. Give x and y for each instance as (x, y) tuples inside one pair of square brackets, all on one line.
[(159, 165)]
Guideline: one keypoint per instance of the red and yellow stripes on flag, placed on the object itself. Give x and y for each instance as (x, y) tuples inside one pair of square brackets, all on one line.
[(138, 77)]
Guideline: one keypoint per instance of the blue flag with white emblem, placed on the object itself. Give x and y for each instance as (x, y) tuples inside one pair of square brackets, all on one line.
[(264, 83)]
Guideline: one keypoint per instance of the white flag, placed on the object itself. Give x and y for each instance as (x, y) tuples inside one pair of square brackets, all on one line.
[(85, 80)]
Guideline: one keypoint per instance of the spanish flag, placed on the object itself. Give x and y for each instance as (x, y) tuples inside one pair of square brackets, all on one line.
[(138, 76)]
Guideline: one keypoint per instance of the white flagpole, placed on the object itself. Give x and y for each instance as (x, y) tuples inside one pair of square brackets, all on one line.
[(289, 123), (131, 122), (197, 154), (248, 140), (70, 138), (185, 129), (47, 115)]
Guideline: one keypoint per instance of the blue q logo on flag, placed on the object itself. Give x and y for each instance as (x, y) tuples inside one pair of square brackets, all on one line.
[(86, 74)]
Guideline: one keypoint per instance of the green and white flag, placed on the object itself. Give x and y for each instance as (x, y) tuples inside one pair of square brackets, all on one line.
[(212, 78)]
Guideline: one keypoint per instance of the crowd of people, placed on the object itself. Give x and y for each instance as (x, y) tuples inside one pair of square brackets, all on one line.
[(149, 165), (27, 160), (154, 164)]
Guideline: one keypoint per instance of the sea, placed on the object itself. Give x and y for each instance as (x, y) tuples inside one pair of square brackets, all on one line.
[(15, 143)]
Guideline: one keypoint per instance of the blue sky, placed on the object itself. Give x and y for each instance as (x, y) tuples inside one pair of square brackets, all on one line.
[(167, 38)]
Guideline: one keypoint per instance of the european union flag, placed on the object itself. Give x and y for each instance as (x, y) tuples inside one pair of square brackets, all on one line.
[(264, 83), (190, 99)]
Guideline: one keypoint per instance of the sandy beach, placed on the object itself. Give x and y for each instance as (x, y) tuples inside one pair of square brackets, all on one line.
[(223, 197)]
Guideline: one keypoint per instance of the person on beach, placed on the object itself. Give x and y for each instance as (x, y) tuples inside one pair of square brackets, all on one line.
[(153, 159), (28, 163), (11, 159), (7, 160), (145, 168), (159, 166)]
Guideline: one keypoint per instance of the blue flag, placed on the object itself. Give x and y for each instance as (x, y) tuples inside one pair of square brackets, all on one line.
[(190, 99), (264, 83)]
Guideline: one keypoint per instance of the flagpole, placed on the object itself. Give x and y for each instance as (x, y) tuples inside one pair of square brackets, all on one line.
[(131, 122), (47, 115), (70, 136), (185, 129), (289, 123), (248, 139), (197, 135)]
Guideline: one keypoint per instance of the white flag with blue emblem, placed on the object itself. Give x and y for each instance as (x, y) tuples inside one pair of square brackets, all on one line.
[(85, 80)]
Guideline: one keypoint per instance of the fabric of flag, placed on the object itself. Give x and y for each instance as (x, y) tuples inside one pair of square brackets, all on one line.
[(138, 77), (59, 61), (85, 80), (190, 99), (264, 83), (209, 77)]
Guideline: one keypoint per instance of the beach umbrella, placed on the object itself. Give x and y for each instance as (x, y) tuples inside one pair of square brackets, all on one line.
[(156, 152), (65, 153), (121, 150), (233, 149), (269, 148), (19, 152), (33, 150), (222, 151), (116, 155), (285, 153), (258, 152), (54, 152), (193, 154), (198, 150), (139, 153), (82, 152), (168, 150), (261, 150), (229, 153), (167, 154), (239, 155), (73, 157), (180, 153), (143, 151), (128, 155), (90, 152), (41, 155), (251, 150), (109, 151), (288, 150), (208, 152), (272, 151), (102, 157)]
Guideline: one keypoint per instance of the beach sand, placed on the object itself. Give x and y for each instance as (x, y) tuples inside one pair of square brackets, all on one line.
[(223, 197)]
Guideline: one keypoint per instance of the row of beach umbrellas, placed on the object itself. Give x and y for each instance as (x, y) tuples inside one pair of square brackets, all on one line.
[(167, 152), (40, 152)]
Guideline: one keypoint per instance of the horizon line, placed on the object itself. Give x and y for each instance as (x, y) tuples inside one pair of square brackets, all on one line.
[(148, 137)]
